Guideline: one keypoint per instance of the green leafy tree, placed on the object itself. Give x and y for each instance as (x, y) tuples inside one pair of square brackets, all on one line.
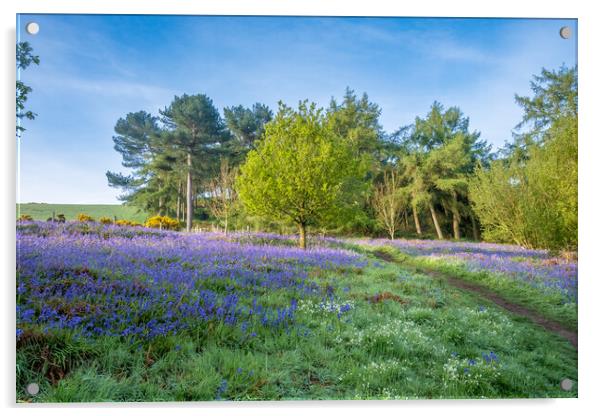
[(534, 202), (196, 130), (415, 184), (356, 120), (448, 166), (495, 193), (529, 195), (301, 171), (25, 58), (438, 153)]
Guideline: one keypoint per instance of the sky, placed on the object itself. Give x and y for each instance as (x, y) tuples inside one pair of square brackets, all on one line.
[(95, 69)]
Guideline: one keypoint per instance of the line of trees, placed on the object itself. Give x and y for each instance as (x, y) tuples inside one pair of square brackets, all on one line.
[(175, 157), (336, 170)]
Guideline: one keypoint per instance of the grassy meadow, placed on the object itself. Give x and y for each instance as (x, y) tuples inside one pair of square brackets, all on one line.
[(41, 211)]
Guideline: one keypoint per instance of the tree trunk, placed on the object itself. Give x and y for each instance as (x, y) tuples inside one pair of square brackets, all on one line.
[(416, 220), (160, 206), (475, 229), (302, 230), (456, 224), (436, 221), (226, 225), (189, 194), (178, 203), (456, 217)]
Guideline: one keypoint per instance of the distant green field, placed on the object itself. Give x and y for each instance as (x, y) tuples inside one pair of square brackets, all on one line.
[(44, 211)]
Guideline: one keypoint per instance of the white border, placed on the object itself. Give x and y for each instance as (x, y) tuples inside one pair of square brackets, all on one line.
[(590, 147)]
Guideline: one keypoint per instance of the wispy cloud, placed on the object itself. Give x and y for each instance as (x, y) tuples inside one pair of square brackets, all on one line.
[(112, 88), (95, 70)]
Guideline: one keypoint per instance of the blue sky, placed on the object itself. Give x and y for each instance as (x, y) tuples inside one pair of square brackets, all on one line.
[(95, 69)]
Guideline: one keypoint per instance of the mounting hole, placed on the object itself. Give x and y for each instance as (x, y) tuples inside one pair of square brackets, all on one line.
[(566, 384), (32, 28), (33, 389), (565, 32)]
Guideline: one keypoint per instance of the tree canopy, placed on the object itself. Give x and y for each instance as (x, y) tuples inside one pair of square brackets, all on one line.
[(25, 58), (529, 195), (336, 169), (300, 170)]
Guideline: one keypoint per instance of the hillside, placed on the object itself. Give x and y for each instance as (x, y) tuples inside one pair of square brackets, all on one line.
[(41, 211)]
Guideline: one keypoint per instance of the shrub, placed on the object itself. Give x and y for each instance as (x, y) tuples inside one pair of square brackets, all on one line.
[(105, 220), (25, 217), (127, 223), (84, 218), (538, 207), (164, 222)]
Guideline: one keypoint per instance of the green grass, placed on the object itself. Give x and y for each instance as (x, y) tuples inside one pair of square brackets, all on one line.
[(548, 304), (414, 342), (40, 211)]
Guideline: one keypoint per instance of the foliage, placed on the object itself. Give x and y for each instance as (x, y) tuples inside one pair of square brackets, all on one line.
[(554, 97), (162, 222), (451, 184), (25, 58), (538, 178), (437, 155), (389, 201), (127, 223), (302, 171), (105, 220), (247, 124), (25, 217), (222, 194), (165, 159), (196, 130), (138, 139), (81, 217), (357, 121)]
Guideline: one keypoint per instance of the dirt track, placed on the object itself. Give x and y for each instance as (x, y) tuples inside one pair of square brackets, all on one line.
[(485, 293)]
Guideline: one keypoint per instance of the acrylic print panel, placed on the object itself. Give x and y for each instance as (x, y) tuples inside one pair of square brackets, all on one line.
[(295, 208)]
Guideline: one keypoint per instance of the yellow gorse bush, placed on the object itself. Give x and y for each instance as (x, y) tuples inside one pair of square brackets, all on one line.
[(164, 222), (25, 217), (127, 223), (105, 220), (84, 218)]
